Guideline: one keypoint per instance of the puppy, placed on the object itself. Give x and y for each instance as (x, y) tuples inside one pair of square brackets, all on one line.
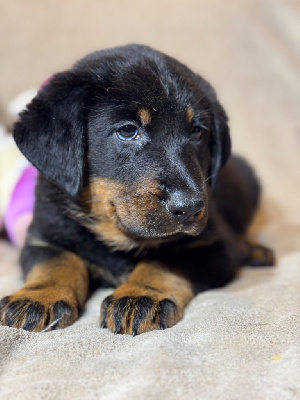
[(136, 190)]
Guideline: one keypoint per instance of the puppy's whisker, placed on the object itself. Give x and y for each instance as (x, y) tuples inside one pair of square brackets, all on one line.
[(207, 179)]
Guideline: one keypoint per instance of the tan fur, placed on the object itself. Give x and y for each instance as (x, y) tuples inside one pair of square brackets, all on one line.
[(133, 204), (144, 116), (61, 279), (190, 114), (97, 199), (67, 268)]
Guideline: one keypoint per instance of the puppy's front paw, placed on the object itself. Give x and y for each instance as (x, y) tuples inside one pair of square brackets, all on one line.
[(133, 310), (39, 308), (256, 255)]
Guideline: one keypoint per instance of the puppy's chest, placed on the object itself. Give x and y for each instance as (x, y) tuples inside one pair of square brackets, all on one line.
[(112, 268), (105, 277), (109, 268)]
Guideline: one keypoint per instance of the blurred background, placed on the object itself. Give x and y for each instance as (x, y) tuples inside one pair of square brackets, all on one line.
[(249, 50)]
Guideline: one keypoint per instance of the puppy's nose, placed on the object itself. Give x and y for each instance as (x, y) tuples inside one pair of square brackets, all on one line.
[(183, 207)]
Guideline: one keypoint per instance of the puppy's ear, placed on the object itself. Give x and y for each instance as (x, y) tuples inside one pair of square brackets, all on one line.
[(221, 143), (51, 132)]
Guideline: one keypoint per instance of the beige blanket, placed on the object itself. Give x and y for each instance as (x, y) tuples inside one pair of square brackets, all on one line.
[(239, 342)]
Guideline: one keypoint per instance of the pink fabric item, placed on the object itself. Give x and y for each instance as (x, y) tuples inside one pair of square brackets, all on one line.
[(46, 81), (21, 203), (19, 213)]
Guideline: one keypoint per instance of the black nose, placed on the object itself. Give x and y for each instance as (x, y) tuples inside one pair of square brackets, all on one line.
[(183, 206)]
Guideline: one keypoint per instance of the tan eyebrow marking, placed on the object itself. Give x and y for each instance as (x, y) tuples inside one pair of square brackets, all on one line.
[(144, 116), (190, 114)]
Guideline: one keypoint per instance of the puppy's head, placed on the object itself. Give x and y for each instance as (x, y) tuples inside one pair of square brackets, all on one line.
[(132, 136)]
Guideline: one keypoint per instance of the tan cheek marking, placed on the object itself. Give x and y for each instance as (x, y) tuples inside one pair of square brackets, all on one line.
[(98, 198), (144, 116), (143, 200), (190, 114)]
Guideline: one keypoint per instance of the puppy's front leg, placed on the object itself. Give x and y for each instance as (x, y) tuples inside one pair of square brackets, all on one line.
[(154, 297), (52, 296)]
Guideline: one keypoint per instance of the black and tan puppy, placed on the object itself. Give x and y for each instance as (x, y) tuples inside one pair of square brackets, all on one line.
[(136, 190)]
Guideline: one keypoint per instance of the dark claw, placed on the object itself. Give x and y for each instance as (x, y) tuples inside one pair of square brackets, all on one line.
[(15, 310), (167, 310), (103, 324), (106, 302), (117, 331), (35, 313), (4, 302), (143, 309)]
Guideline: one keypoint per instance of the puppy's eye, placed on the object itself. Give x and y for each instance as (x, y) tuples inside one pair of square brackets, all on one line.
[(128, 132), (196, 132)]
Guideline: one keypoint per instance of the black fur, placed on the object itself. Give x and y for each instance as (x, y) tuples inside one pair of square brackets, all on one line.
[(69, 133)]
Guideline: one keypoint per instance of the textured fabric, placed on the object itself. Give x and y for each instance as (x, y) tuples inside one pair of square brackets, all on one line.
[(239, 342)]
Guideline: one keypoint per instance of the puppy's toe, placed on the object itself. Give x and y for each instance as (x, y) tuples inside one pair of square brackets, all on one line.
[(256, 255), (38, 310)]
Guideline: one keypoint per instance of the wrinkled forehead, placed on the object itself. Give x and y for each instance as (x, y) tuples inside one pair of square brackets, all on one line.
[(151, 93), (142, 86)]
